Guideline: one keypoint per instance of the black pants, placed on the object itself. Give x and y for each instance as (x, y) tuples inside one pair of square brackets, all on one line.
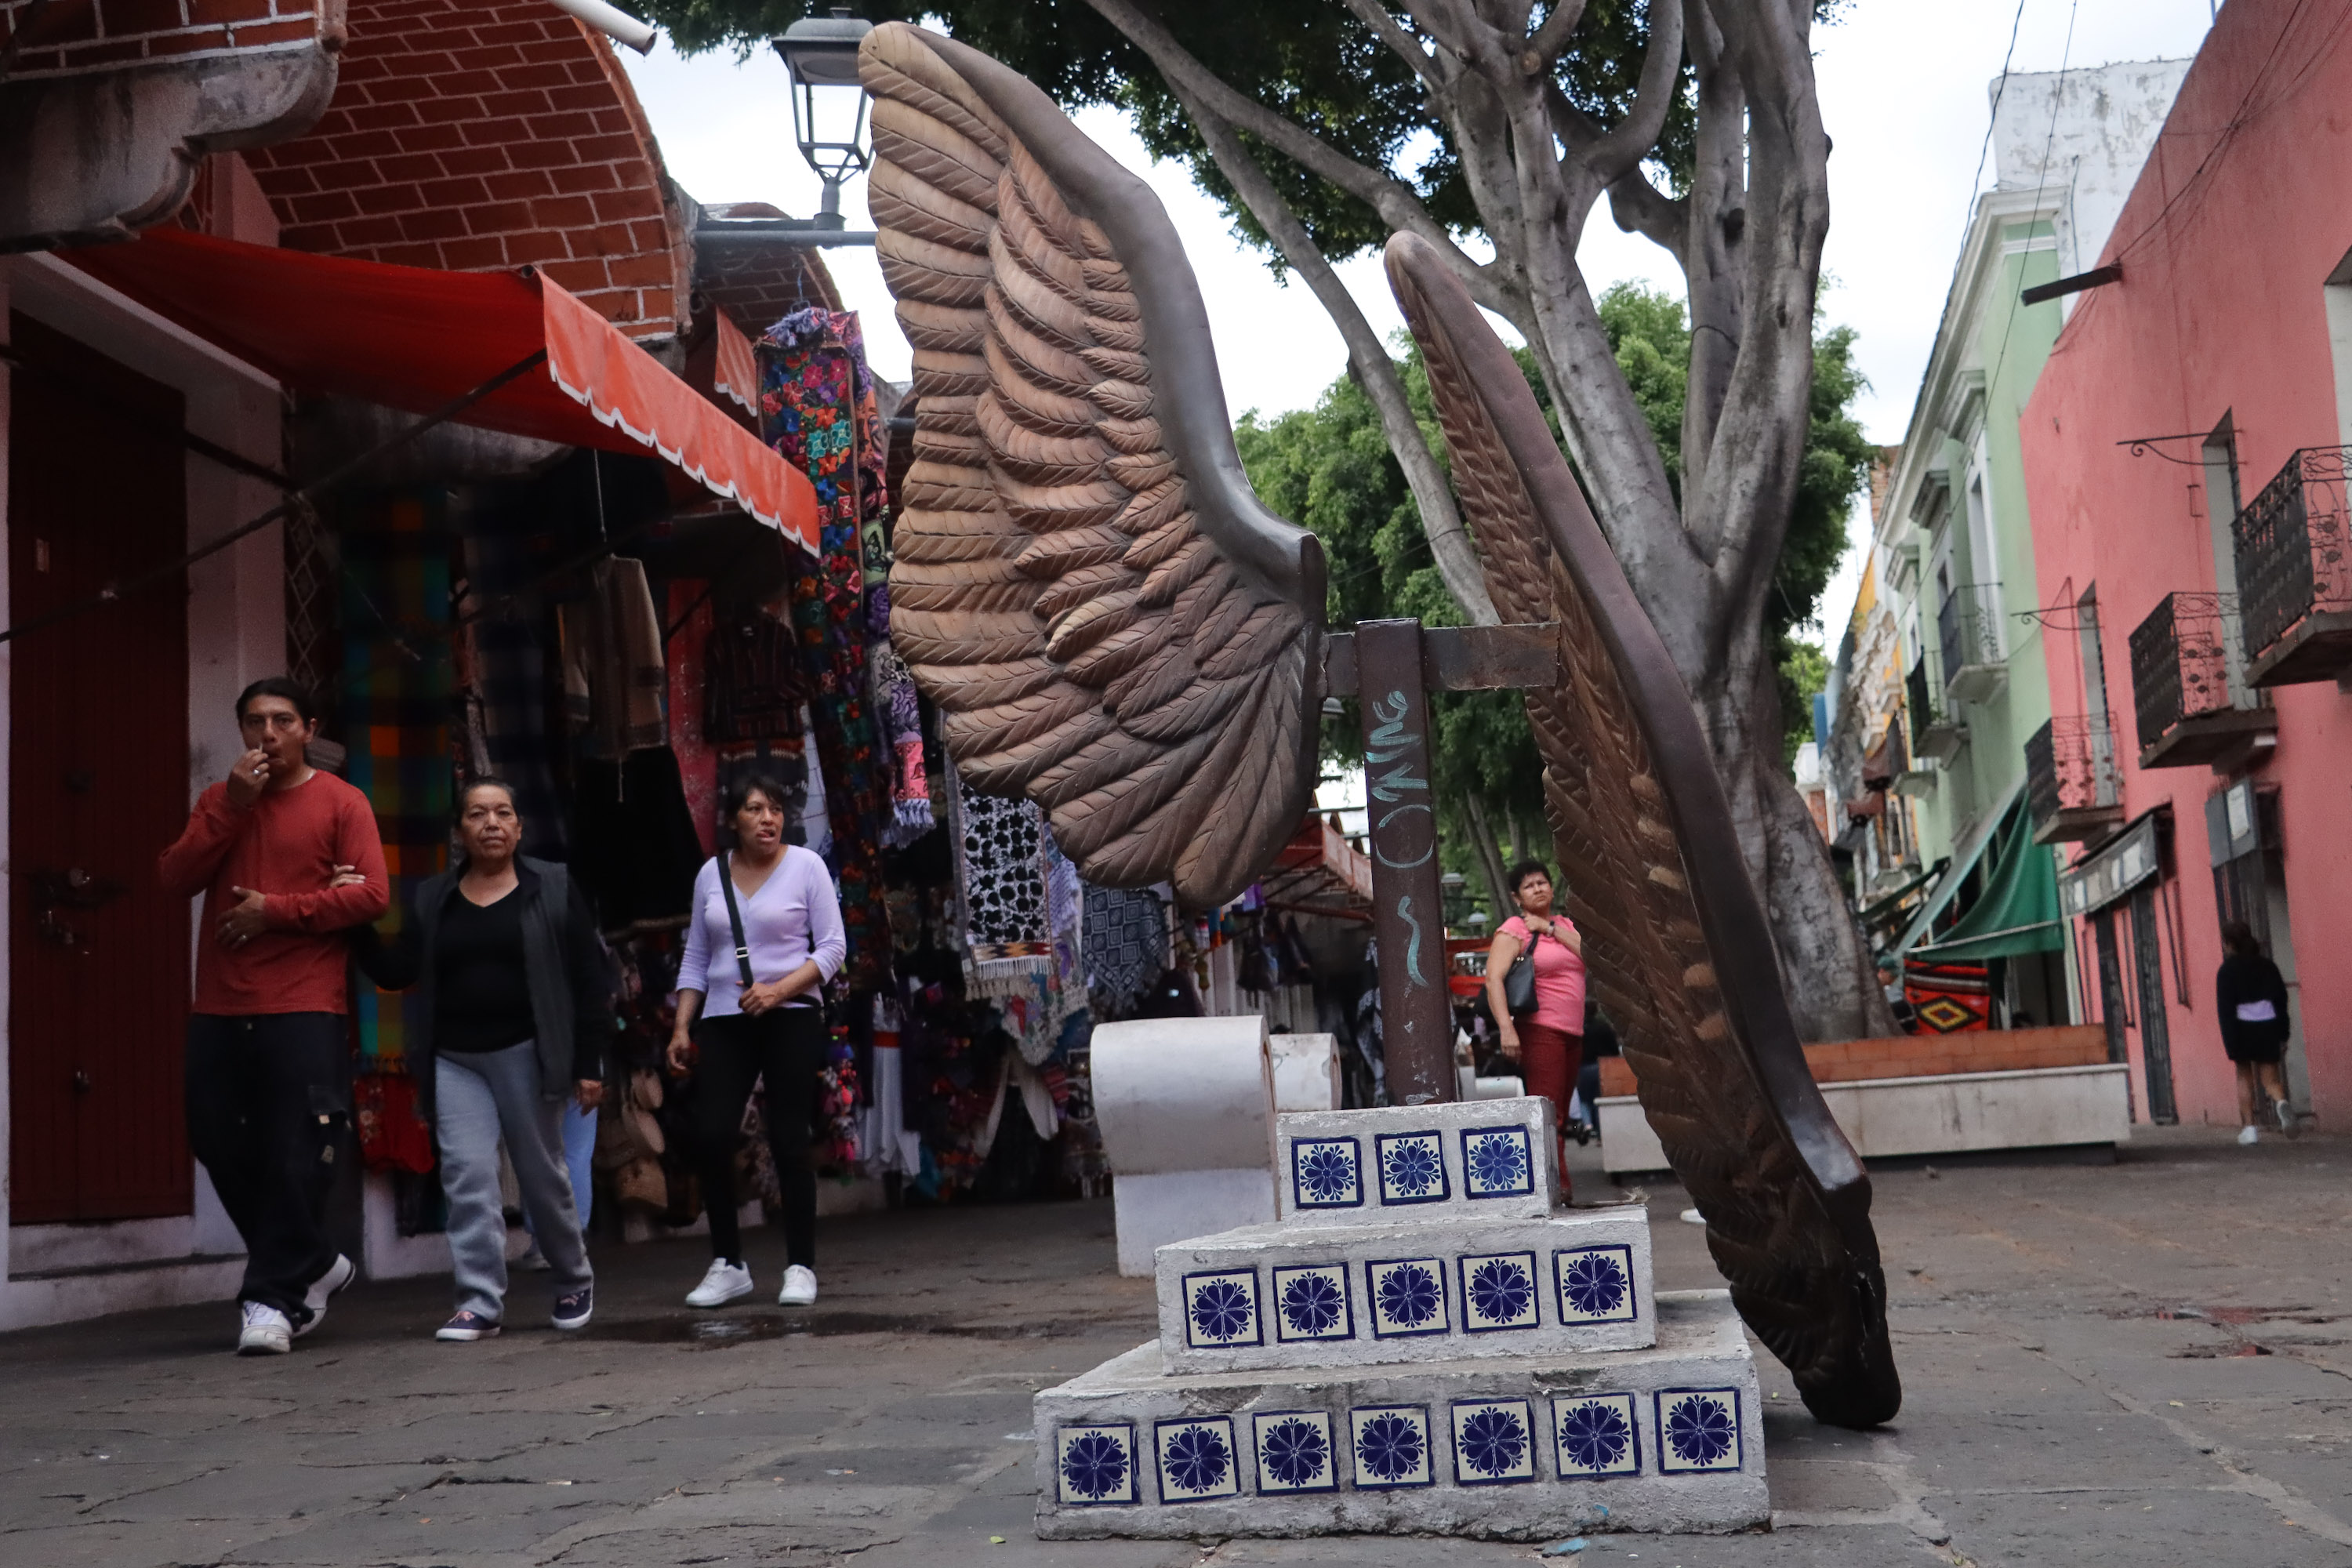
[(786, 1047), (268, 1099)]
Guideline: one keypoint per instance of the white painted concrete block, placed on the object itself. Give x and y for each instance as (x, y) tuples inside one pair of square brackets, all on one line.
[(1945, 1113), (1154, 1209), (1305, 1071), (1186, 1110), (1668, 1438), (1298, 1295), (1486, 1159)]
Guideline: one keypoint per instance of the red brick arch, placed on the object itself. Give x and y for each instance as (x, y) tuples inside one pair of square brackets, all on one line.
[(479, 134)]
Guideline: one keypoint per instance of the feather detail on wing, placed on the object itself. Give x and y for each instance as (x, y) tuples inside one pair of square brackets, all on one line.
[(1675, 934), (1081, 580)]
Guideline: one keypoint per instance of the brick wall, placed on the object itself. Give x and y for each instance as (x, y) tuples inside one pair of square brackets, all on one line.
[(1921, 1056), (477, 136), (71, 36)]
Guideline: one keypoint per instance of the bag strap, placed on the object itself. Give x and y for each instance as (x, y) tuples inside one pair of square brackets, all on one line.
[(735, 921)]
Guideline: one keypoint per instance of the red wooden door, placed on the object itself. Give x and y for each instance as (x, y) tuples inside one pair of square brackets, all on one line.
[(98, 787)]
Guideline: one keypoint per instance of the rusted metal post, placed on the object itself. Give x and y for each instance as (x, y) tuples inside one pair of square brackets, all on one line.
[(1408, 901)]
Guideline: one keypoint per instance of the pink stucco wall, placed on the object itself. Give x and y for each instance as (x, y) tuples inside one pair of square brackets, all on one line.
[(2239, 218)]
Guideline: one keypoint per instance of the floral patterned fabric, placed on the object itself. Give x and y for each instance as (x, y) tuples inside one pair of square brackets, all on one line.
[(817, 410)]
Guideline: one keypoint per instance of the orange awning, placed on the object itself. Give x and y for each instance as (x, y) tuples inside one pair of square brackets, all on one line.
[(414, 338)]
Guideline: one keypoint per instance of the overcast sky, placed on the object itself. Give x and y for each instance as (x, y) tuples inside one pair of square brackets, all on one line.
[(1903, 91)]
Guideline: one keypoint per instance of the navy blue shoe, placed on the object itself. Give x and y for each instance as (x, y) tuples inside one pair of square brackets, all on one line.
[(468, 1326), (572, 1308)]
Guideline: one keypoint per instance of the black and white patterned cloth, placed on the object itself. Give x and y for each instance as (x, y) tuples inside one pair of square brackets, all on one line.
[(1124, 947)]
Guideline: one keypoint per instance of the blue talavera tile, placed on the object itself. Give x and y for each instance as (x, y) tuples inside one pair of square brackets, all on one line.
[(1406, 1296), (1095, 1466), (1198, 1458), (1596, 1435), (1294, 1451), (1494, 1442), (1499, 1291), (1311, 1302), (1594, 1285), (1698, 1429), (1412, 1168), (1220, 1309), (1390, 1443), (1497, 1163), (1327, 1173)]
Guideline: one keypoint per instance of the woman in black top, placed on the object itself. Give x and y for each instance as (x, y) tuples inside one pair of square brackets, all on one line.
[(2250, 997), (517, 1005)]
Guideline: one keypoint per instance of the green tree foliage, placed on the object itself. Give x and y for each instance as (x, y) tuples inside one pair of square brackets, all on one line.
[(1328, 468)]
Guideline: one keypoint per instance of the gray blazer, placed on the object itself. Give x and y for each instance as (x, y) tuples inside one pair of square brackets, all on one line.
[(563, 966)]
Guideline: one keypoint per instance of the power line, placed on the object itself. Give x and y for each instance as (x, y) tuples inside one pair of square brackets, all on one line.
[(2041, 183)]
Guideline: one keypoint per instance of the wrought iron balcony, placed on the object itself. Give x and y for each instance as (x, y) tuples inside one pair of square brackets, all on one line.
[(1968, 634), (1936, 730), (2295, 571), (2071, 782), (2186, 711)]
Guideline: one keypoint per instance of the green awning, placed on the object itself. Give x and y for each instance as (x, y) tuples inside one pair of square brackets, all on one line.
[(1964, 856), (2018, 912)]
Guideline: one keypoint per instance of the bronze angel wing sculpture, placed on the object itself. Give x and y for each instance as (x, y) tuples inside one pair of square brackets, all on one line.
[(1085, 583), (1676, 939)]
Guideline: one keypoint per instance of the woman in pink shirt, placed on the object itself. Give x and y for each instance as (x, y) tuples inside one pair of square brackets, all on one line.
[(1549, 1043)]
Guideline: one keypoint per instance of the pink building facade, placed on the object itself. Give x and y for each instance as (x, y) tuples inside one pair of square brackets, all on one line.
[(2184, 454)]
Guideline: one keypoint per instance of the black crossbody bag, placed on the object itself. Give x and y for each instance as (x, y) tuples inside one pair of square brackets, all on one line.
[(1519, 980)]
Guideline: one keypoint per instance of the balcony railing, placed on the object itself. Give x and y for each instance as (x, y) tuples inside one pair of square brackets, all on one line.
[(1936, 732), (2293, 548), (2182, 700), (2071, 780), (1968, 634)]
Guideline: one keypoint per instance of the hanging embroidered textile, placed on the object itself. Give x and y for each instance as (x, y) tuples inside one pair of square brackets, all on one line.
[(1023, 917), (614, 671), (896, 709), (1124, 946), (752, 684), (817, 410), (396, 702)]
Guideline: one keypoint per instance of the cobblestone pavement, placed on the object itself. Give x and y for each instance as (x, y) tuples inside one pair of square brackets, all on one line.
[(2145, 1363)]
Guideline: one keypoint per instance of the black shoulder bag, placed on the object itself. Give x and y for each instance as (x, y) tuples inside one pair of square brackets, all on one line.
[(1519, 980)]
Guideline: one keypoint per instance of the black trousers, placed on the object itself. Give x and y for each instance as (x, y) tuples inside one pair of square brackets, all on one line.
[(268, 1100), (786, 1045)]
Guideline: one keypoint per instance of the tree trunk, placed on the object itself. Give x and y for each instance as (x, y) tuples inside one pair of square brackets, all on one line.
[(1490, 858)]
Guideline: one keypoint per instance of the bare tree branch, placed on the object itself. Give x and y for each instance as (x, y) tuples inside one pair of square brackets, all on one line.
[(1631, 141), (1449, 541), (1640, 207), (1401, 42), (1544, 48)]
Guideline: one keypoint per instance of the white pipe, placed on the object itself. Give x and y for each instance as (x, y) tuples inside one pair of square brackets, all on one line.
[(615, 24)]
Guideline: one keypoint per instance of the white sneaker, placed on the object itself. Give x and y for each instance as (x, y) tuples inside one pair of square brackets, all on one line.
[(267, 1331), (340, 1273), (2248, 1135), (2285, 1114), (1691, 1216), (799, 1288), (726, 1282)]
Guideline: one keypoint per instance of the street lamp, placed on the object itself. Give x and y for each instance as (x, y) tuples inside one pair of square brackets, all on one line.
[(829, 103)]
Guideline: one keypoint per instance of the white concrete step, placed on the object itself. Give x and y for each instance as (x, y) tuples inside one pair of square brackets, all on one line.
[(1408, 1289), (1666, 1438), (1481, 1159)]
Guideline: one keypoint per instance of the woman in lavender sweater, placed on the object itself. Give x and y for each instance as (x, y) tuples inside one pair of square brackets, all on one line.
[(772, 1028)]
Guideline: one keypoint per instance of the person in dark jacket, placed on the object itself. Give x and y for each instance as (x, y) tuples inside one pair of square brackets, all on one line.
[(2250, 994), (517, 1004)]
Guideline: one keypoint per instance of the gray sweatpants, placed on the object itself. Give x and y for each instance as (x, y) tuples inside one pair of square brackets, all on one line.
[(479, 1095)]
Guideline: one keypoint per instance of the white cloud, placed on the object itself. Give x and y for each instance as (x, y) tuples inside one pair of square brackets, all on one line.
[(1903, 91)]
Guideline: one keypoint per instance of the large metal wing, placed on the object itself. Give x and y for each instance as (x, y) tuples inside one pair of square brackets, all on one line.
[(1084, 583), (1656, 882)]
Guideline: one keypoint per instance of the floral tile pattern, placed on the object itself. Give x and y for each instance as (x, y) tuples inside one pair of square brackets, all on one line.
[(1327, 1173), (1594, 1285), (1698, 1429), (1311, 1303), (1390, 1447), (1412, 1168), (1094, 1465), (1497, 1163), (1294, 1451), (1596, 1434), (1494, 1442), (1499, 1291), (1221, 1310), (1406, 1297), (1197, 1459)]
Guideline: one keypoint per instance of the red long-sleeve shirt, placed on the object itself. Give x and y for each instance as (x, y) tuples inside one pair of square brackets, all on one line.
[(286, 845)]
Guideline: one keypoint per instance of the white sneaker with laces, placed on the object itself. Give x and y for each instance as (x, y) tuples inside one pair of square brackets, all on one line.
[(2285, 1114), (799, 1288), (340, 1273), (266, 1332), (724, 1282), (2248, 1135)]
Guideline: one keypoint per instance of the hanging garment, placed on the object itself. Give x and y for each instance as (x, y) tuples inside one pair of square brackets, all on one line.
[(612, 671), (895, 705), (393, 1137), (752, 685), (1000, 865), (1124, 945), (817, 410), (690, 617), (635, 851), (508, 676)]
